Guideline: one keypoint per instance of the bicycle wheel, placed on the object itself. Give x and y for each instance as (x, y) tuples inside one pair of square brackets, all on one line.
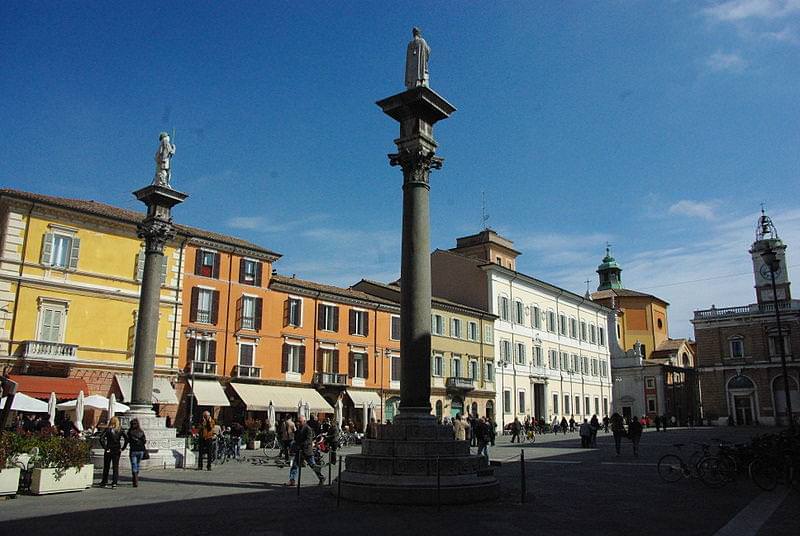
[(272, 449), (764, 473), (533, 438), (710, 472), (670, 468)]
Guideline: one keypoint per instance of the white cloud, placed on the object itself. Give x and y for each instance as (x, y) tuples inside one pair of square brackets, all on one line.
[(262, 224), (245, 222), (726, 62), (694, 209), (739, 10)]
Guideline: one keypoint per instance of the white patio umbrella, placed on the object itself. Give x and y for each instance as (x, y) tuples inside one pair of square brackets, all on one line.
[(79, 412), (366, 417), (306, 410), (51, 408), (300, 408), (25, 404), (338, 413), (95, 402), (112, 401), (271, 417)]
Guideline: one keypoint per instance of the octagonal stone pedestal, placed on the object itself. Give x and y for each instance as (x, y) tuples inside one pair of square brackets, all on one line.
[(400, 467)]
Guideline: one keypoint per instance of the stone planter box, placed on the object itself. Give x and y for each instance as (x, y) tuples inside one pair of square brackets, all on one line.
[(253, 445), (44, 481), (9, 481)]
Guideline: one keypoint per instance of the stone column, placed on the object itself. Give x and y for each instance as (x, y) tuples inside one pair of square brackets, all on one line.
[(156, 229)]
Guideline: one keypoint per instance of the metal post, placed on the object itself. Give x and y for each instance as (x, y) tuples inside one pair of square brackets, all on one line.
[(438, 486), (330, 471), (782, 353), (339, 483), (524, 488), (299, 461)]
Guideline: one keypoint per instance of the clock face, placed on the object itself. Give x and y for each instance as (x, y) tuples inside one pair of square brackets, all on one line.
[(764, 271)]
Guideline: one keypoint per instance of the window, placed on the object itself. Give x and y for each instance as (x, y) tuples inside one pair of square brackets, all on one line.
[(601, 336), (775, 348), (564, 361), (566, 405), (736, 348), (395, 336), (204, 306), (456, 367), (551, 321), (294, 312), (60, 250), (575, 363), (203, 350), (246, 354), (555, 403), (604, 369), (584, 365), (360, 364), (644, 350), (328, 360), (521, 399), (578, 405), (490, 372), (650, 382), (553, 359), (520, 353), (498, 260), (249, 313), (583, 331), (473, 370), (596, 406), (651, 403), (472, 331), (395, 366), (437, 324), (536, 317), (140, 258), (328, 317), (503, 308), (573, 328), (505, 351), (538, 360), (519, 312), (438, 365), (586, 406), (592, 334), (359, 322), (488, 334), (51, 321), (594, 367), (250, 272), (506, 401), (562, 324), (207, 263), (294, 358), (605, 406), (455, 328)]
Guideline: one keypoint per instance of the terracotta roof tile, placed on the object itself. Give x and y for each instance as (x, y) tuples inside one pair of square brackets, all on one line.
[(329, 289)]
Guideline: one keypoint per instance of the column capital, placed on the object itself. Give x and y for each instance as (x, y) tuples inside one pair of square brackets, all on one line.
[(416, 164), (156, 232)]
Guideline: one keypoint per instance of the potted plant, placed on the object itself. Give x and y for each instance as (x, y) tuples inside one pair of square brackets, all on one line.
[(9, 471), (250, 434), (61, 464)]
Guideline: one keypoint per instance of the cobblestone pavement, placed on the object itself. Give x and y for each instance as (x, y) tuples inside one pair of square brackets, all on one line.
[(570, 491)]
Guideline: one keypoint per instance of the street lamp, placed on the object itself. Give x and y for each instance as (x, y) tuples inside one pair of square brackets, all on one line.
[(770, 257)]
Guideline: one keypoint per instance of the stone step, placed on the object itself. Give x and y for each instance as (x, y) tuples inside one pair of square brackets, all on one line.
[(416, 466), (440, 447)]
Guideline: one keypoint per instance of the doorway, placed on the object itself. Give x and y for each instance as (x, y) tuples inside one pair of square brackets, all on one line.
[(744, 411)]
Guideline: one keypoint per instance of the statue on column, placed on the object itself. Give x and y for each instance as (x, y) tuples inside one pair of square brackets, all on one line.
[(164, 154), (417, 56)]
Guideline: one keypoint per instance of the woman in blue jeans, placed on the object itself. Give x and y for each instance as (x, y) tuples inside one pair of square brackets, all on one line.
[(136, 442)]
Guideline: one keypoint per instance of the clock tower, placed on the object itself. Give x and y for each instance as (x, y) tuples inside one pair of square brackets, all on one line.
[(767, 237)]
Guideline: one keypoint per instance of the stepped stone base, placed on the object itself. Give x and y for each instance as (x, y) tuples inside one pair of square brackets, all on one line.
[(165, 448), (416, 461)]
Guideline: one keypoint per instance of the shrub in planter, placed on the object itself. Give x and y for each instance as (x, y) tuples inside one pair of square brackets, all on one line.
[(61, 453)]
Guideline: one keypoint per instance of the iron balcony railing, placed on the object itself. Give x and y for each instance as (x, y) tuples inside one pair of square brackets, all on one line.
[(330, 378), (242, 371), (49, 350), (203, 368)]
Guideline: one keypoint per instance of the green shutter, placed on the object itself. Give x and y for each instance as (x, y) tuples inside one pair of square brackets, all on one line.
[(47, 249)]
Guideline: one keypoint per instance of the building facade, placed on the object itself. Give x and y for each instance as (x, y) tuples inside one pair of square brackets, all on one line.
[(739, 348), (551, 345)]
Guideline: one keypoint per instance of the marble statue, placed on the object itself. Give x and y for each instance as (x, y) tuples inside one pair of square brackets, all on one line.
[(164, 154), (417, 56), (637, 347)]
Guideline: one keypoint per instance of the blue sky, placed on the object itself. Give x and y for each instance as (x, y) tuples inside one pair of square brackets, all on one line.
[(659, 126)]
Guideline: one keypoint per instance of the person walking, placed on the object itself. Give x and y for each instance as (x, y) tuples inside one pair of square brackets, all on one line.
[(594, 426), (303, 450), (481, 434), (618, 429), (287, 431), (515, 429), (113, 441), (564, 425), (460, 427), (635, 435), (658, 423), (554, 426), (136, 448), (205, 437), (606, 422), (571, 423), (585, 434), (492, 425)]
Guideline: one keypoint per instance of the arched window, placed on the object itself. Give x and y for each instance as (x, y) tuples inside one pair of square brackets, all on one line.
[(741, 382), (438, 409)]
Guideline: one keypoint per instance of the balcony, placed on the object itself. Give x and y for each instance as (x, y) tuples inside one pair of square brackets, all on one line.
[(241, 371), (203, 368), (49, 350), (330, 379), (746, 310), (463, 385)]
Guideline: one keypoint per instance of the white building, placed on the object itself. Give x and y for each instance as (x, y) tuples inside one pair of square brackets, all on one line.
[(551, 345)]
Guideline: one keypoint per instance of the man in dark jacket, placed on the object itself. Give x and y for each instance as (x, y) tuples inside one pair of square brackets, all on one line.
[(482, 436), (635, 434), (303, 450)]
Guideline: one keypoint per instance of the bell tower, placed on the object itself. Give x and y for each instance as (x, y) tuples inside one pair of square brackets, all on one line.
[(767, 238), (609, 271)]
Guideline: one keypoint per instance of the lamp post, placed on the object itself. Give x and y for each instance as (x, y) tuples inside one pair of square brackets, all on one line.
[(770, 257)]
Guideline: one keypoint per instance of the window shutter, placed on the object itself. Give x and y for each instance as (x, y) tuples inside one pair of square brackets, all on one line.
[(320, 316), (73, 254), (302, 359), (286, 312), (351, 368), (259, 305), (335, 319), (335, 362), (366, 365), (241, 270), (193, 305), (215, 273), (352, 321), (163, 270), (190, 343), (285, 358), (212, 351), (47, 249), (239, 312), (198, 261), (140, 265), (366, 323), (214, 306), (258, 274), (320, 363)]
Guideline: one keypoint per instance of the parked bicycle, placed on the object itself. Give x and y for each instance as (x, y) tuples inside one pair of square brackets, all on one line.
[(708, 468)]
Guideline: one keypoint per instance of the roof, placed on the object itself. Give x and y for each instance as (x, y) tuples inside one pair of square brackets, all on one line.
[(129, 216), (330, 290), (668, 347), (623, 293)]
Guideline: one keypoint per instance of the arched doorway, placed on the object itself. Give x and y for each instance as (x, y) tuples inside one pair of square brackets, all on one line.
[(456, 407), (742, 399), (779, 398), (439, 409), (490, 409), (391, 408), (474, 409)]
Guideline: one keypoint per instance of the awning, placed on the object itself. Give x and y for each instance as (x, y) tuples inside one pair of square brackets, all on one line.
[(25, 404), (364, 398), (42, 386), (258, 397), (209, 393), (163, 393)]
